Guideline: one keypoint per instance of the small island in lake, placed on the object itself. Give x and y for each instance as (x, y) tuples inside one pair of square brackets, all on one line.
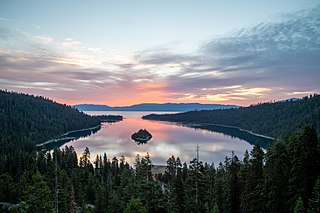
[(142, 136), (109, 118)]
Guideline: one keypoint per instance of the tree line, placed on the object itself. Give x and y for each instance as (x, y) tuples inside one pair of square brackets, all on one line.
[(26, 120), (274, 119), (284, 179)]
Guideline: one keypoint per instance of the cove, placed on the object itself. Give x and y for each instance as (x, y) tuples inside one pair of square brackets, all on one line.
[(168, 139)]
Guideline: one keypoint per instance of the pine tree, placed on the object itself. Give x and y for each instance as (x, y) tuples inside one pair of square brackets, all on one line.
[(304, 152), (314, 201), (277, 170), (171, 169), (85, 158), (38, 195), (256, 181), (73, 203), (299, 208), (233, 182), (178, 193), (8, 190), (135, 205)]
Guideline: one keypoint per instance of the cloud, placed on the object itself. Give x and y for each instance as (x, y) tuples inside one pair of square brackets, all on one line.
[(291, 41), (44, 39), (281, 57), (272, 60)]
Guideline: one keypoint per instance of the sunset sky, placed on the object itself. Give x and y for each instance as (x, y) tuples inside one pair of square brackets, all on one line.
[(146, 51)]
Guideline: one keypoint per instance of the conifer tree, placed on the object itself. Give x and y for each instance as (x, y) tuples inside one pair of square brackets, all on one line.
[(304, 152), (314, 201), (277, 170)]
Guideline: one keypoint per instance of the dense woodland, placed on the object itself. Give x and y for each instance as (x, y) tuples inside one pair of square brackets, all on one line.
[(276, 119), (26, 120), (109, 118), (285, 179)]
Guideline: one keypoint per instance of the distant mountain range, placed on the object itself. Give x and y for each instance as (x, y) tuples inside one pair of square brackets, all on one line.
[(169, 107), (273, 119)]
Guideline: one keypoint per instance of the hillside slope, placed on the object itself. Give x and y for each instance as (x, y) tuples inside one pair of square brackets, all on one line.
[(270, 119), (26, 118)]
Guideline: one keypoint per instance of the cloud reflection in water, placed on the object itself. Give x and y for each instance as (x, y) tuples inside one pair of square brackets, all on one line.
[(168, 139)]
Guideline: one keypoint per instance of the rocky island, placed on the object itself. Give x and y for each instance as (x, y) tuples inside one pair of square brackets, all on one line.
[(142, 136)]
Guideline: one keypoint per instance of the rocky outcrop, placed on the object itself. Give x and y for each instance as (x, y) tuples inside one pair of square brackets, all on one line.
[(141, 136)]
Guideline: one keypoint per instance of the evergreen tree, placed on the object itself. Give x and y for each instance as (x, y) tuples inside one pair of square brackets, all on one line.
[(277, 170), (178, 193), (101, 202), (299, 207), (38, 195), (256, 182), (171, 168), (304, 152), (314, 201), (8, 189), (232, 184), (135, 206), (85, 158)]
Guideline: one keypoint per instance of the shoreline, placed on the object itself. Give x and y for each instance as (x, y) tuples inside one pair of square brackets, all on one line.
[(80, 130), (66, 134), (238, 128), (221, 125)]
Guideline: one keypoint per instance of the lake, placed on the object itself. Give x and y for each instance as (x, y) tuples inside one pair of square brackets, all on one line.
[(168, 139)]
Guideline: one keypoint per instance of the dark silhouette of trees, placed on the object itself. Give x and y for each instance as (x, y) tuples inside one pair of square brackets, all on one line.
[(285, 178), (275, 119)]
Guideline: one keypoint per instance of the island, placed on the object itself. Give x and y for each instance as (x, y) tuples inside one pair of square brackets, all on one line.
[(142, 136), (109, 118)]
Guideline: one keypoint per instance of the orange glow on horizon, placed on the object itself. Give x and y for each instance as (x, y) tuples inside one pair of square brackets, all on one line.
[(153, 99), (157, 92)]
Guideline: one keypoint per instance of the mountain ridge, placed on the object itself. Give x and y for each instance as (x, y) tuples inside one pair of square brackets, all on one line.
[(154, 107), (273, 119)]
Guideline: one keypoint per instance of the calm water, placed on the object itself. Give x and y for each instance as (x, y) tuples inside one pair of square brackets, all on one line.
[(168, 139)]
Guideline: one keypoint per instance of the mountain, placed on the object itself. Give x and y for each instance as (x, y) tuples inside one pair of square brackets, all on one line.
[(27, 118), (274, 119), (169, 107)]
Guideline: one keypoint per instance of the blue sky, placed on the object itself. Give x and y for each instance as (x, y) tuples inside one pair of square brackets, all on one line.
[(160, 51)]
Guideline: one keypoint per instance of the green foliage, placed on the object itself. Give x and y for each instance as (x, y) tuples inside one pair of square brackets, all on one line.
[(314, 201), (135, 206), (8, 189), (33, 119), (37, 195), (259, 183), (304, 158), (277, 170), (272, 119), (285, 179), (299, 208)]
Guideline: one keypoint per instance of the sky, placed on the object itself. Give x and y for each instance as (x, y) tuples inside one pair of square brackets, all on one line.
[(145, 51)]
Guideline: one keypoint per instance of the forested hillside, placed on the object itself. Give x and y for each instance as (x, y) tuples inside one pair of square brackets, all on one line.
[(270, 119), (286, 179), (27, 119)]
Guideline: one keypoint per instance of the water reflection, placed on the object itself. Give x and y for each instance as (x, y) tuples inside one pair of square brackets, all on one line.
[(67, 137), (168, 139), (263, 141)]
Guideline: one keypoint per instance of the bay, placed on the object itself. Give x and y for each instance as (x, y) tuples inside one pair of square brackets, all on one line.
[(168, 139)]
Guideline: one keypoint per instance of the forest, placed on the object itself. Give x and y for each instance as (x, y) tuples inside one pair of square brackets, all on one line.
[(26, 120), (274, 119), (285, 178), (109, 118)]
